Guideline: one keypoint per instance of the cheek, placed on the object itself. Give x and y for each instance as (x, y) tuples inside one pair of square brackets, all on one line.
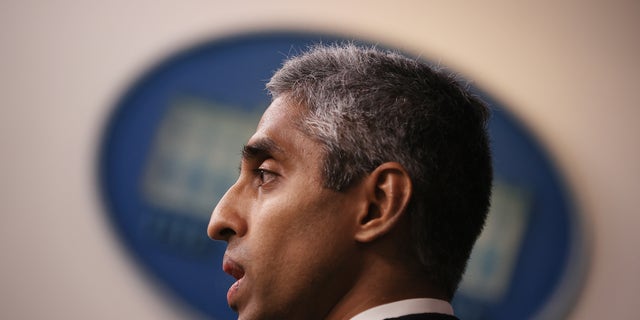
[(297, 230), (300, 248)]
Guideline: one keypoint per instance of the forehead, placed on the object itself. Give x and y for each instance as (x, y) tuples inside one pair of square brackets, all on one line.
[(279, 127)]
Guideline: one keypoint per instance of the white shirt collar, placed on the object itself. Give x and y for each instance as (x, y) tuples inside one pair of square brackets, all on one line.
[(405, 307)]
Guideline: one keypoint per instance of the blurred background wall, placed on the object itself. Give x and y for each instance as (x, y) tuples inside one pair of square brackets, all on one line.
[(567, 69)]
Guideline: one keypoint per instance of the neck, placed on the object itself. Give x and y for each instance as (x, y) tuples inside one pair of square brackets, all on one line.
[(383, 280)]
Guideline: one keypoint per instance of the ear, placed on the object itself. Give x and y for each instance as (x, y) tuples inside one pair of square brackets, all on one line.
[(388, 190)]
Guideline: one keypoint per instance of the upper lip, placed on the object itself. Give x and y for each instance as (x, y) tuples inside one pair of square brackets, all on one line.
[(232, 268)]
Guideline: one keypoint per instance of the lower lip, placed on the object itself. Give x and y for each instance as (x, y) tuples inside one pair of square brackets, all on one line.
[(233, 292)]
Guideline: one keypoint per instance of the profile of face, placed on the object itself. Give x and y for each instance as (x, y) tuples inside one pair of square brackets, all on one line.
[(289, 239)]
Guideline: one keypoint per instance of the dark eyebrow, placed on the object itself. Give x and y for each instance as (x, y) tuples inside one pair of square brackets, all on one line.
[(262, 148)]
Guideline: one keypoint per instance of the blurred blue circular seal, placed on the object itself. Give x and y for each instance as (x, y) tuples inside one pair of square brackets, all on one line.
[(171, 149)]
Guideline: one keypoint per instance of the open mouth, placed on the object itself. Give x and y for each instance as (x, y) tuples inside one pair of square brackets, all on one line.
[(235, 270)]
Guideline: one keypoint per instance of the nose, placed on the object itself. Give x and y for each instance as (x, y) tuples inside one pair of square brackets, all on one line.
[(226, 219)]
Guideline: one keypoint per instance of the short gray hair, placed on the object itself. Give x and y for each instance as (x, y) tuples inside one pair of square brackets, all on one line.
[(367, 107)]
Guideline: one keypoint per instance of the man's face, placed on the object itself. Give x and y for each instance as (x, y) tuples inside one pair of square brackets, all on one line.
[(290, 243)]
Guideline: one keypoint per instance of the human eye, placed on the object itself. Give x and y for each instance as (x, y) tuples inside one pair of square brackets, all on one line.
[(264, 177)]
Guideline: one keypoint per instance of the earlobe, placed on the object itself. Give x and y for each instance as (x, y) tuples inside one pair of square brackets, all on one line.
[(388, 189)]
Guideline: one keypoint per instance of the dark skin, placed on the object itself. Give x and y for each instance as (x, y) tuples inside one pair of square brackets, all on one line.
[(302, 251)]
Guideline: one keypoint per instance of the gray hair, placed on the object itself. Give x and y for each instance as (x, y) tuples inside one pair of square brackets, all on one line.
[(367, 107)]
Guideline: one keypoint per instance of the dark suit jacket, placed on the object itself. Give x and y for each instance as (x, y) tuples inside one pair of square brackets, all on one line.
[(425, 316)]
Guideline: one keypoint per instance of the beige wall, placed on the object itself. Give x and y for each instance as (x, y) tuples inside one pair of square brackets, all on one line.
[(569, 70)]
